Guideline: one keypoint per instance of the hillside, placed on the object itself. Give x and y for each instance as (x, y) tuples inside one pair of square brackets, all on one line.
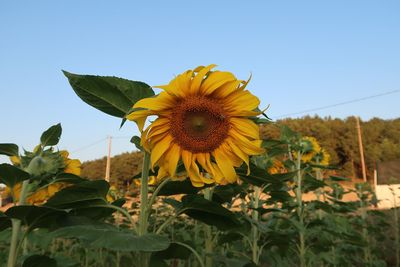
[(381, 143)]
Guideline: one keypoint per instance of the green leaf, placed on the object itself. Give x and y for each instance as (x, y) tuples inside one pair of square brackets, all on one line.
[(81, 195), (323, 167), (178, 187), (5, 222), (310, 183), (51, 136), (9, 149), (174, 251), (208, 212), (260, 177), (233, 262), (98, 212), (225, 193), (278, 196), (68, 178), (39, 261), (229, 238), (36, 216), (11, 175), (111, 95), (109, 237), (338, 178)]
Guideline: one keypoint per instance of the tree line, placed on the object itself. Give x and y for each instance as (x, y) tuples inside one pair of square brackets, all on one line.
[(381, 140)]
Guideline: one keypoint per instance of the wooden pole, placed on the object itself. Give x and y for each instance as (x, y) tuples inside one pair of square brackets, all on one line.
[(360, 144), (108, 165)]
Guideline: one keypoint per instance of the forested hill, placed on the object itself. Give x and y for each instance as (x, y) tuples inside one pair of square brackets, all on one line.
[(381, 140)]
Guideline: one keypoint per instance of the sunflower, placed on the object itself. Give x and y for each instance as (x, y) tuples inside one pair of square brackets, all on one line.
[(202, 119), (38, 196), (309, 148)]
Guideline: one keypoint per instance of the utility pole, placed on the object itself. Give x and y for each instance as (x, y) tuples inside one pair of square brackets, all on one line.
[(360, 144), (108, 165)]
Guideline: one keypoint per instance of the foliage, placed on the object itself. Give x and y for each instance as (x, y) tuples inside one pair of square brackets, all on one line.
[(285, 212)]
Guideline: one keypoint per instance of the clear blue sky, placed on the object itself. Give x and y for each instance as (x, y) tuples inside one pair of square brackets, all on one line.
[(302, 54)]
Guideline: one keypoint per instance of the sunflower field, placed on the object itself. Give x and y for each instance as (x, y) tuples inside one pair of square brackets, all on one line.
[(212, 192)]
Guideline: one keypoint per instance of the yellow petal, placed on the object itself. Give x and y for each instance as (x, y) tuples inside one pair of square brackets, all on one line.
[(236, 150), (139, 117), (73, 166), (247, 146), (173, 156), (215, 80), (159, 149), (241, 100), (196, 172), (187, 159), (158, 130), (180, 86), (196, 82), (15, 160), (64, 153), (225, 165), (217, 174), (245, 83), (246, 127), (160, 102), (226, 89), (162, 173), (195, 178)]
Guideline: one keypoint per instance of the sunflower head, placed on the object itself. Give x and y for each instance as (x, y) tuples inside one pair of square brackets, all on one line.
[(202, 119), (39, 194), (309, 147)]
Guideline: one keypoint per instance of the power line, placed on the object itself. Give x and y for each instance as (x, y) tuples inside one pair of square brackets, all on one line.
[(337, 104), (99, 141), (274, 117), (88, 146), (122, 137)]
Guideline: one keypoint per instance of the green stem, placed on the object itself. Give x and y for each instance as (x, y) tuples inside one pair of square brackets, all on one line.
[(319, 190), (154, 195), (164, 224), (143, 218), (208, 233), (255, 234), (396, 228), (193, 251), (16, 228), (144, 191), (86, 258), (118, 259), (124, 212), (364, 217), (300, 213)]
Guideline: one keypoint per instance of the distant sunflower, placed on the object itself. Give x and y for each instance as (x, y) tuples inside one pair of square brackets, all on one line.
[(203, 120), (309, 148)]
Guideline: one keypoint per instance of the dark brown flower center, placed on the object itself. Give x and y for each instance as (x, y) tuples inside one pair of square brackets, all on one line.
[(199, 124)]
